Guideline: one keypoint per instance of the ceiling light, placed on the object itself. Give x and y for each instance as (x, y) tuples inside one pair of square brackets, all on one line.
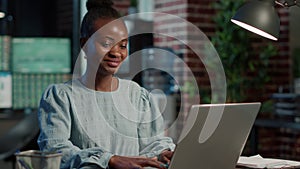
[(2, 14)]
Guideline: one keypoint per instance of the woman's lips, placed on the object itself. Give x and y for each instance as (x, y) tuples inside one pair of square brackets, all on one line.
[(113, 63)]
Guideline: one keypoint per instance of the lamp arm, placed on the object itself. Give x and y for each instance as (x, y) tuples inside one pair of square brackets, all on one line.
[(288, 3)]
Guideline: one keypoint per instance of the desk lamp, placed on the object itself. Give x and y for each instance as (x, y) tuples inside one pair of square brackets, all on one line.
[(260, 17)]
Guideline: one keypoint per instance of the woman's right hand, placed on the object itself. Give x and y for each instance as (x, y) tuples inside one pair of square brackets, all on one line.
[(122, 162)]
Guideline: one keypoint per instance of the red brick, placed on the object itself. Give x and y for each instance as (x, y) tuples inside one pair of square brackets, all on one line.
[(200, 13)]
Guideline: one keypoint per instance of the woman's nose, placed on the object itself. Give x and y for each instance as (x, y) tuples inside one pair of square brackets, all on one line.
[(115, 50)]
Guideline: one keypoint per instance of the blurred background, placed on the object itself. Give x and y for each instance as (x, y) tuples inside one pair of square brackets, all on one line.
[(39, 45)]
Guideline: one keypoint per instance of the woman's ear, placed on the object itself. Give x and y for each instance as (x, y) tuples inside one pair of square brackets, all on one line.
[(82, 42)]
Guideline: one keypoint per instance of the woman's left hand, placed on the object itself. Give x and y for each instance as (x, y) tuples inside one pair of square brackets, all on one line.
[(166, 156)]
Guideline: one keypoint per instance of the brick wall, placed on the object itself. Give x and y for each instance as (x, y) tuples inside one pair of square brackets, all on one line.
[(280, 69), (200, 13), (189, 11), (280, 66)]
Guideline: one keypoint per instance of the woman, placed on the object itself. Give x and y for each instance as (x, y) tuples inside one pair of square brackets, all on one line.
[(99, 120)]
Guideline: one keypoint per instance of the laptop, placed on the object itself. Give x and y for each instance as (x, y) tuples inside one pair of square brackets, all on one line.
[(214, 136)]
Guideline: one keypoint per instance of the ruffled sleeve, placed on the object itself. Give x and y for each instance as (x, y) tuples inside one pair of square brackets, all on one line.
[(151, 128), (55, 120)]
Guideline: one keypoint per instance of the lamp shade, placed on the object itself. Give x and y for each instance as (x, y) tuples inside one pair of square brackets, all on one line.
[(260, 17)]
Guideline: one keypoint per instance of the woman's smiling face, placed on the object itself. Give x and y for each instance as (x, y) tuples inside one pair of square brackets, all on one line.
[(106, 49)]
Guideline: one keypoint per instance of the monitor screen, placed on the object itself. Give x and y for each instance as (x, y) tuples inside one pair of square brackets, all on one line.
[(41, 55)]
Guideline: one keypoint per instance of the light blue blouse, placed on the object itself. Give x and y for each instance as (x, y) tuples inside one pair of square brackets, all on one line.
[(89, 127)]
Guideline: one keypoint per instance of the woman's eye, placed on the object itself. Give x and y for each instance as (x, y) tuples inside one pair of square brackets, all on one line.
[(106, 44), (123, 46)]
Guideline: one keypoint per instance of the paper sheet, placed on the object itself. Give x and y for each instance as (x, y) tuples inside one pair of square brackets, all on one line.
[(258, 161)]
